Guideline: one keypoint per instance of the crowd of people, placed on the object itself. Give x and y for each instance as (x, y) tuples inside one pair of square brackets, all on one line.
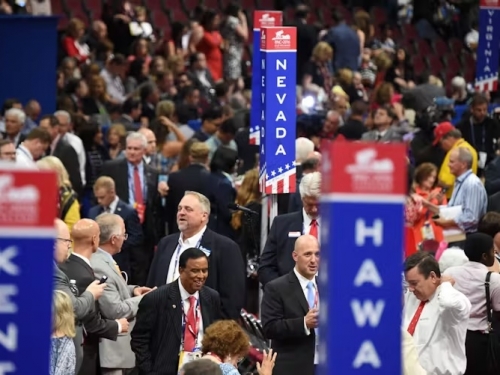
[(150, 145)]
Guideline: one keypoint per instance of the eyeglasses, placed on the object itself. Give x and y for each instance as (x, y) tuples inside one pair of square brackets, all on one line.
[(65, 240), (125, 236)]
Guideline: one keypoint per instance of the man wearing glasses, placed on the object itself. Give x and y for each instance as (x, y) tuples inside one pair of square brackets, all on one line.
[(7, 150)]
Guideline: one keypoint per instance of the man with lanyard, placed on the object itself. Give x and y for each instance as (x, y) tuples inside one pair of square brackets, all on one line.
[(468, 192), (450, 138), (481, 131)]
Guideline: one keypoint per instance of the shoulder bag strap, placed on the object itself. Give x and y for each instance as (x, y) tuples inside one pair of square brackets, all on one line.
[(488, 300)]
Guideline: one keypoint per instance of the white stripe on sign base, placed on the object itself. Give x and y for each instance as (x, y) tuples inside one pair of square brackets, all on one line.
[(363, 198), (28, 232)]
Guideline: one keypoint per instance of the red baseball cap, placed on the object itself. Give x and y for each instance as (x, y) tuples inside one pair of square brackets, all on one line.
[(441, 130)]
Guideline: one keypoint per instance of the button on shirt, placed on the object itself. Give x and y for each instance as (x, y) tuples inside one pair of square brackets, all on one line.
[(303, 284), (441, 329), (469, 192), (469, 279), (173, 269), (185, 305)]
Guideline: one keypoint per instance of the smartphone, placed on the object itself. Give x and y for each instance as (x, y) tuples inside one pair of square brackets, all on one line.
[(103, 279)]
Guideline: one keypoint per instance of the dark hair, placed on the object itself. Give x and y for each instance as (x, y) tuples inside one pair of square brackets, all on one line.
[(478, 99), (5, 142), (302, 11), (72, 85), (201, 366), (232, 9), (358, 108), (146, 90), (53, 121), (118, 59), (212, 113), (39, 133), (221, 89), (87, 133), (310, 164), (193, 58), (424, 262), (477, 244), (228, 127), (191, 253), (388, 109), (423, 171), (135, 70), (130, 104), (8, 104), (207, 18), (224, 160), (176, 30), (337, 17), (489, 224)]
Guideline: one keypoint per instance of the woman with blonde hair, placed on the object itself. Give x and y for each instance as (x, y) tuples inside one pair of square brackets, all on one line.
[(69, 208), (318, 71), (62, 352)]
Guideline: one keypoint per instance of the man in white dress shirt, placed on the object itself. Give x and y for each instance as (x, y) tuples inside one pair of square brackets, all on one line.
[(33, 148), (436, 315)]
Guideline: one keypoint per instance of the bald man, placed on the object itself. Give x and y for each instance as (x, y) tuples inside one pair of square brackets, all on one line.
[(290, 311), (85, 234), (83, 303)]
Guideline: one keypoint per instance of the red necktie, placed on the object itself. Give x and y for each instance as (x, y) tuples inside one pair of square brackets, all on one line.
[(314, 228), (137, 187), (191, 328), (416, 317)]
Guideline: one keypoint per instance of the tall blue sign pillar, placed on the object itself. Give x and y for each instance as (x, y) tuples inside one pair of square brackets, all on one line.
[(28, 203), (28, 59), (360, 282)]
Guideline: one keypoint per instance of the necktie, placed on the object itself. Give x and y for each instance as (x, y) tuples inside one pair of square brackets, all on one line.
[(118, 269), (379, 137), (137, 187), (313, 231), (191, 326), (311, 294), (416, 317)]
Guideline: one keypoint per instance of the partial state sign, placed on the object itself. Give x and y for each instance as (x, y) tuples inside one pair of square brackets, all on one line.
[(364, 187), (261, 18), (278, 109), (487, 53), (28, 206)]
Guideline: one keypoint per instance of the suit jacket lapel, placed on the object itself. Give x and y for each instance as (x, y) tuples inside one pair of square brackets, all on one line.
[(77, 259), (205, 309), (122, 175), (297, 290), (110, 263), (174, 297), (207, 243)]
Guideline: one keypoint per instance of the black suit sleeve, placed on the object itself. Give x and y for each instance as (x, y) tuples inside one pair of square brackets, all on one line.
[(231, 280), (275, 326), (134, 230), (96, 325), (155, 264), (268, 268), (141, 334), (69, 158)]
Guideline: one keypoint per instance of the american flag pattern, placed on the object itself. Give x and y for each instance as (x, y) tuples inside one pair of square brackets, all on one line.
[(255, 135), (280, 180), (487, 83)]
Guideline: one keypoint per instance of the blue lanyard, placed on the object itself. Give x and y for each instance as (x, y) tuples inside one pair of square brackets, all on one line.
[(197, 322), (178, 253), (455, 192), (25, 153), (473, 136)]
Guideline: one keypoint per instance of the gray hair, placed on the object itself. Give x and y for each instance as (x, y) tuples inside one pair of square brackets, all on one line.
[(64, 114), (205, 203), (455, 133), (109, 225), (203, 366), (465, 156), (310, 185), (303, 147), (21, 116), (136, 136)]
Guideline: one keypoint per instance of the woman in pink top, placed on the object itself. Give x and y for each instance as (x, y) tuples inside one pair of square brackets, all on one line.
[(211, 44)]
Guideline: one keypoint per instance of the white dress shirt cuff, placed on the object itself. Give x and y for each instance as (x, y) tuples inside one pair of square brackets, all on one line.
[(306, 330), (119, 326)]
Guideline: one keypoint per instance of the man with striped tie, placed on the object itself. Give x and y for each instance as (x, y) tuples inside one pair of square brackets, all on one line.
[(290, 309), (119, 300)]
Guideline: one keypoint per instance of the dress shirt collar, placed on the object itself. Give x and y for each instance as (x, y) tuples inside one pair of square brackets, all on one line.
[(307, 220), (25, 151), (106, 254), (131, 167), (54, 144), (303, 281), (194, 240), (113, 205), (82, 257), (476, 265), (184, 293), (463, 176)]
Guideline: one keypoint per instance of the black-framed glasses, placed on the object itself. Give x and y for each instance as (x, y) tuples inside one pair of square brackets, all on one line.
[(67, 241)]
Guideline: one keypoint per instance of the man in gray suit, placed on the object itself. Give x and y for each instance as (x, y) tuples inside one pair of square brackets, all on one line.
[(119, 299), (82, 304), (383, 130)]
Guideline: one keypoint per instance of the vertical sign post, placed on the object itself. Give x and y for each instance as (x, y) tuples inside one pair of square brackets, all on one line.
[(362, 254), (28, 201), (261, 18), (488, 46), (279, 114)]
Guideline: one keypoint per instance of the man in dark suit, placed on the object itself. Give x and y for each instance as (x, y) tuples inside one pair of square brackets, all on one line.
[(290, 309), (168, 319), (85, 234), (108, 202), (196, 177), (14, 122), (276, 259), (137, 185), (307, 38), (64, 152), (83, 303), (226, 267)]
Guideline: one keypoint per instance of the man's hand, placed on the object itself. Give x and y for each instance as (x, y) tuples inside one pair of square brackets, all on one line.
[(124, 324), (96, 289), (141, 290), (163, 188), (446, 278), (312, 318), (444, 222)]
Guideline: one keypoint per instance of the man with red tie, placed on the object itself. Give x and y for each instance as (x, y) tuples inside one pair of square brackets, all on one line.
[(276, 259), (136, 183), (171, 319), (436, 315)]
